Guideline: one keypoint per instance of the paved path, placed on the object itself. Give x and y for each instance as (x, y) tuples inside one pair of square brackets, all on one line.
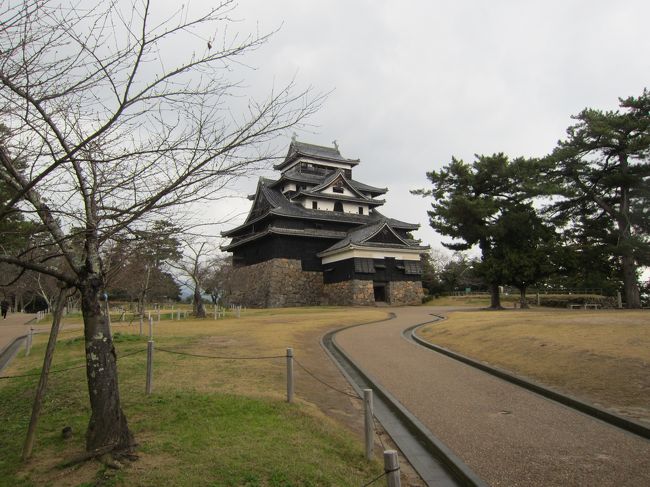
[(14, 326), (507, 435), (18, 324)]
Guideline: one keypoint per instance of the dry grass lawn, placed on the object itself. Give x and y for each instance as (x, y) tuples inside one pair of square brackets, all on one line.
[(600, 356)]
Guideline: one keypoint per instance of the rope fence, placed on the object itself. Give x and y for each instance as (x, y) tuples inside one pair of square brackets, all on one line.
[(73, 367), (371, 423)]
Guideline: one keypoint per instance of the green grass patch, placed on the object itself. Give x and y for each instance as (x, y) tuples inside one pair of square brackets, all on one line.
[(217, 423)]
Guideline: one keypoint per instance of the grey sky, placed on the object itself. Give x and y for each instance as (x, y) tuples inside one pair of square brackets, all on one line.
[(416, 82)]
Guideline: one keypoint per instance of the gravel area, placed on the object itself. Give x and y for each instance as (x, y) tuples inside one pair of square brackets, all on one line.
[(507, 435)]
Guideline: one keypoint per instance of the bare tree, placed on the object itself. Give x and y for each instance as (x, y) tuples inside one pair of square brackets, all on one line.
[(194, 267), (120, 116), (218, 280)]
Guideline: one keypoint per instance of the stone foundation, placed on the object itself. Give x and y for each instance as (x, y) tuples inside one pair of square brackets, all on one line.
[(349, 293), (279, 283), (276, 283), (402, 293)]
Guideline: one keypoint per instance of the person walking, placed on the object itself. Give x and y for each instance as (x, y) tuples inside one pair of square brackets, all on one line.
[(5, 307)]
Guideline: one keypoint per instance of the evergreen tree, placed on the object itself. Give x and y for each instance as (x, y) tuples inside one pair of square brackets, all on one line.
[(468, 202), (602, 172)]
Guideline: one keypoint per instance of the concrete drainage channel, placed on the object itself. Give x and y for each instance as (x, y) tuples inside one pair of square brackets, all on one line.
[(10, 351), (433, 461)]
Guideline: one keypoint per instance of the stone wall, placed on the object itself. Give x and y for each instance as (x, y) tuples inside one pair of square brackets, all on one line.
[(279, 283), (276, 283), (401, 293), (349, 293)]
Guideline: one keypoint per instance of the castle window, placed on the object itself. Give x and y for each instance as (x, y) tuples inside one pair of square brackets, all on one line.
[(337, 189), (364, 266), (338, 206), (314, 205), (361, 210), (413, 267)]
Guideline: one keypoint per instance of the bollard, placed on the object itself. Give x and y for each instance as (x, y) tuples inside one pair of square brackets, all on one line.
[(150, 328), (368, 422), (289, 374), (391, 467), (149, 386)]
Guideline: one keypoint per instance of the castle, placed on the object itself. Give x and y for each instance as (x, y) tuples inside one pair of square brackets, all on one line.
[(314, 236)]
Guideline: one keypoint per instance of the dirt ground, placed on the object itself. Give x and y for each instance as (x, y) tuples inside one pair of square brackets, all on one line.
[(601, 356)]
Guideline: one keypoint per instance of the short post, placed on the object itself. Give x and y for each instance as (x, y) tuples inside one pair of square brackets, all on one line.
[(238, 311), (150, 328), (28, 342), (159, 315), (141, 319), (391, 467), (289, 375), (619, 299), (179, 315), (215, 311), (368, 422), (149, 366), (538, 300)]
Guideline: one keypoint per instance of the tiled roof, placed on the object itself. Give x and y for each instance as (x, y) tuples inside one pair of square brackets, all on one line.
[(294, 174), (307, 232), (297, 149), (359, 236), (281, 206)]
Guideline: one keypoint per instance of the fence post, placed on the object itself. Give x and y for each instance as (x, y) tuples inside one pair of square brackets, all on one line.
[(28, 342), (619, 299), (215, 311), (141, 319), (150, 328), (368, 422), (149, 366), (238, 311), (289, 374), (158, 315), (391, 467)]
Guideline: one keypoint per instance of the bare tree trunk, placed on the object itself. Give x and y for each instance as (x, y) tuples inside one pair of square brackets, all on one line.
[(495, 297), (523, 302), (199, 309), (108, 425)]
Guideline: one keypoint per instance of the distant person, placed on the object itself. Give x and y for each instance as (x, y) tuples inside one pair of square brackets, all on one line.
[(5, 307)]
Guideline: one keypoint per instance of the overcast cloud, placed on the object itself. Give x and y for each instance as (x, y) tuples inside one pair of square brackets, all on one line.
[(415, 82)]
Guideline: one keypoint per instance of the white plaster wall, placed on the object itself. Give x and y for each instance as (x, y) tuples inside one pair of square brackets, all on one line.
[(346, 191), (288, 187), (328, 205), (373, 254)]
